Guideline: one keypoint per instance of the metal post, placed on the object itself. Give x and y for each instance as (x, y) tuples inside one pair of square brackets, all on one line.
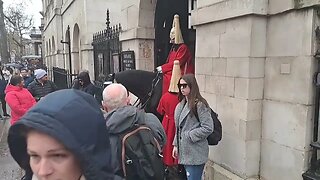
[(69, 43), (69, 49)]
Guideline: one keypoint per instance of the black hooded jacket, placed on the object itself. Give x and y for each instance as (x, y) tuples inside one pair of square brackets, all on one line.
[(75, 120), (87, 87)]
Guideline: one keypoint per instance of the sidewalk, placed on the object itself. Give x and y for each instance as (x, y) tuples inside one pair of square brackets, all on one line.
[(9, 169)]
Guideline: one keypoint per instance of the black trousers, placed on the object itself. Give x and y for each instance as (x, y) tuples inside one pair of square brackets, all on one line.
[(3, 104)]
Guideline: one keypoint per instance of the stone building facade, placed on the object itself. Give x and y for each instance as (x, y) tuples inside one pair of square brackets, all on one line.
[(256, 68), (84, 17), (254, 63)]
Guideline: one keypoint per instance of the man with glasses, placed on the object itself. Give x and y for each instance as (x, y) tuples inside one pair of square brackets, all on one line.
[(41, 86)]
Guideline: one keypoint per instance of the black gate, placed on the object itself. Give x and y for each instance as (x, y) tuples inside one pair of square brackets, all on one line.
[(106, 51), (60, 78)]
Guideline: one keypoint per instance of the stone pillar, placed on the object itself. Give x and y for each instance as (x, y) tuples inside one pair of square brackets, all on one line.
[(230, 58), (138, 31), (86, 62), (289, 92), (257, 73), (36, 48)]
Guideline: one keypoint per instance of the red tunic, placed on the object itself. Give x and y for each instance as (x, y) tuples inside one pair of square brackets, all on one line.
[(185, 58), (166, 107)]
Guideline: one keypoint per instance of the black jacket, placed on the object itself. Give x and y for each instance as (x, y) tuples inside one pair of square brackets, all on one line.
[(39, 90), (74, 119)]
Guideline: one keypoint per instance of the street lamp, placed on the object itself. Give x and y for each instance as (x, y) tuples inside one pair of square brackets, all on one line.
[(69, 48)]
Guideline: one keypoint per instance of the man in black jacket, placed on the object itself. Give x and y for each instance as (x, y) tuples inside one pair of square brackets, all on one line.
[(41, 86)]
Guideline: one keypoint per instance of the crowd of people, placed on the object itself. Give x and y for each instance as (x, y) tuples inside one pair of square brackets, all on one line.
[(69, 135)]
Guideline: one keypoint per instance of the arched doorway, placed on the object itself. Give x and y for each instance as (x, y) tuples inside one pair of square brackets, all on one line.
[(75, 49), (53, 57), (47, 53), (66, 49), (165, 11)]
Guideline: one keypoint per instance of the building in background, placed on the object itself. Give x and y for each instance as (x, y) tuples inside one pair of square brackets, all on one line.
[(254, 63), (36, 40), (83, 17)]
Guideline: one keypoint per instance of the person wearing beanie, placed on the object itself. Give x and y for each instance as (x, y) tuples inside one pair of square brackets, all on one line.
[(41, 86), (166, 107), (179, 51), (63, 137)]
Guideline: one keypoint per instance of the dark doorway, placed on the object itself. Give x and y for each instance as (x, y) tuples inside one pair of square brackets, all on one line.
[(165, 11)]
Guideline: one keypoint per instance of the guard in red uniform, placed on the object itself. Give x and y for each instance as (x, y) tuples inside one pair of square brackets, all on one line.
[(180, 52), (166, 107)]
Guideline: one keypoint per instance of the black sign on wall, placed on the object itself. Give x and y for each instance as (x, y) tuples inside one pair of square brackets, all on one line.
[(128, 60)]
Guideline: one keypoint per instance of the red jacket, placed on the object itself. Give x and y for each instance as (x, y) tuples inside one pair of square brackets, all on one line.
[(166, 107), (184, 56), (19, 100)]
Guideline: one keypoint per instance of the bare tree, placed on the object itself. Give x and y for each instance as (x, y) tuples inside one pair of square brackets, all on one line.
[(3, 37), (18, 24)]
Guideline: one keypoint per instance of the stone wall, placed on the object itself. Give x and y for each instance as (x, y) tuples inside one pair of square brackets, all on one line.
[(90, 16), (254, 64), (230, 70), (288, 95), (138, 31)]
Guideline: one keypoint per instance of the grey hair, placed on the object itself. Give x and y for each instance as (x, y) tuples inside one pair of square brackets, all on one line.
[(114, 96)]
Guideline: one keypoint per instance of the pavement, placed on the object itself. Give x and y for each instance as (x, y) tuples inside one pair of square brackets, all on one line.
[(9, 169)]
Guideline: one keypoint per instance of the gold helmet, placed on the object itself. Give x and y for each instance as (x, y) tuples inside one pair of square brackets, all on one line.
[(176, 75), (175, 33)]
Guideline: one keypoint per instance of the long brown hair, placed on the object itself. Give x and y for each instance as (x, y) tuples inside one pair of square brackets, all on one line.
[(194, 95)]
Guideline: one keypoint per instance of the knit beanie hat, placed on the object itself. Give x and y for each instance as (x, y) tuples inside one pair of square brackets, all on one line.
[(176, 75), (39, 73)]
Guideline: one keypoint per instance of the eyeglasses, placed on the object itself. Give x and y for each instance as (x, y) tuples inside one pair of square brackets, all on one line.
[(184, 85)]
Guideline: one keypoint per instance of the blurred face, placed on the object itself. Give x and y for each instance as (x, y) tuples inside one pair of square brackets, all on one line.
[(183, 86), (21, 84), (49, 160), (172, 36), (81, 82), (24, 73), (44, 78)]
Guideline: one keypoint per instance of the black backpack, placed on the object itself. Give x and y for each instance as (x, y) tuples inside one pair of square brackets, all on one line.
[(141, 155), (216, 135)]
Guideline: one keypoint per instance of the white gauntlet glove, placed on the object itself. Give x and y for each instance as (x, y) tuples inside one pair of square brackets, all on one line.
[(159, 69)]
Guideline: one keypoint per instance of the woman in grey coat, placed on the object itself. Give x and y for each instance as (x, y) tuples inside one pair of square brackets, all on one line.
[(190, 142)]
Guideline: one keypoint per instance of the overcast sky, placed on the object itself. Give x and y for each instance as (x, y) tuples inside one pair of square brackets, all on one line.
[(34, 6)]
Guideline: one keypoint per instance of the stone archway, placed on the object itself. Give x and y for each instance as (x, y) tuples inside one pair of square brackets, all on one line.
[(138, 32), (164, 13), (53, 57), (66, 49), (147, 31), (50, 49), (47, 53), (76, 49)]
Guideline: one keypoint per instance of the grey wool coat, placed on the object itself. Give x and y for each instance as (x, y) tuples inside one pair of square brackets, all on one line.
[(193, 146)]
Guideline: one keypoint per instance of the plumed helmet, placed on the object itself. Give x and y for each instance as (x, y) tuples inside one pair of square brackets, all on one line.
[(176, 31), (176, 75)]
